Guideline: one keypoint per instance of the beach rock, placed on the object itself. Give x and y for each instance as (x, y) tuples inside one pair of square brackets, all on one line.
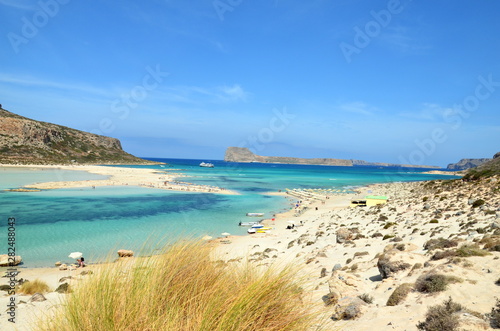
[(125, 253), (404, 247), (330, 299), (349, 308), (63, 267), (65, 279), (392, 262), (337, 267), (4, 260), (343, 235), (342, 284), (322, 273), (58, 263), (63, 288), (37, 297), (5, 288)]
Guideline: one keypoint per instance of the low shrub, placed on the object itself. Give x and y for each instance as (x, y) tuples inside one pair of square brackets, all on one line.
[(388, 236), (399, 294), (471, 250), (360, 254), (432, 282), (495, 315), (32, 287), (443, 254), (383, 218), (388, 225), (366, 298), (433, 221), (441, 317), (440, 243), (478, 203)]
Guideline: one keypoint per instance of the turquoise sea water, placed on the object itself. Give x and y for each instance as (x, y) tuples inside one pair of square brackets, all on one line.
[(53, 223)]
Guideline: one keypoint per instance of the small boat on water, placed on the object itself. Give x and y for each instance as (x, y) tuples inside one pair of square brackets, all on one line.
[(248, 223), (255, 214), (259, 230), (206, 164), (257, 226)]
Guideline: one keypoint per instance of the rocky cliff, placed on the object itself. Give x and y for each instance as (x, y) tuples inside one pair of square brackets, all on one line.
[(464, 164), (26, 141), (241, 154)]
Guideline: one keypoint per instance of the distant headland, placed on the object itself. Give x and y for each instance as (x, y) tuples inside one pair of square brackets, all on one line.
[(27, 141), (242, 154)]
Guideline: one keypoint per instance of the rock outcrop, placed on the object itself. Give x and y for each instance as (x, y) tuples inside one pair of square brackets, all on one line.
[(465, 164), (5, 262), (27, 141), (125, 253), (243, 154)]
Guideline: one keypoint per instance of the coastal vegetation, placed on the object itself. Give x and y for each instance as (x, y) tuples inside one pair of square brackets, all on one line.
[(184, 289), (35, 286)]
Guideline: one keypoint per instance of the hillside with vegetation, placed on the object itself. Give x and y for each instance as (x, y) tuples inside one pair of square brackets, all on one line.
[(488, 169), (27, 141)]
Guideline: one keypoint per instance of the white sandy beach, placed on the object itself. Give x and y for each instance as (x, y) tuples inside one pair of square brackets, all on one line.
[(124, 176)]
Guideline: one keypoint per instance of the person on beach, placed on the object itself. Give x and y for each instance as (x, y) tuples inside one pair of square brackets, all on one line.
[(81, 262)]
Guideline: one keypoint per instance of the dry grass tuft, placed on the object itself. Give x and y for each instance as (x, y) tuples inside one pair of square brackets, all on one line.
[(399, 294), (441, 317), (183, 289), (36, 286), (431, 283)]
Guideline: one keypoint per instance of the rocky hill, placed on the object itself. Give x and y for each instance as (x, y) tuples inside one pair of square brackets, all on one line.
[(488, 169), (465, 164), (241, 154), (27, 141)]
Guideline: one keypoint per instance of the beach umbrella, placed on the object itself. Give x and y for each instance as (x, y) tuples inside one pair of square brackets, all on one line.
[(225, 234), (206, 238), (75, 255)]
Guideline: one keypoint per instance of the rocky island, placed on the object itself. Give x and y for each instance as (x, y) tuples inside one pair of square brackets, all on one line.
[(242, 154)]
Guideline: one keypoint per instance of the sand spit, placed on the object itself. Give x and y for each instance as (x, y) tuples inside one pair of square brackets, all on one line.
[(123, 176), (344, 253)]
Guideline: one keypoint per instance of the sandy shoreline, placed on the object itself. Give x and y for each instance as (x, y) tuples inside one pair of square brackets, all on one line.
[(122, 176)]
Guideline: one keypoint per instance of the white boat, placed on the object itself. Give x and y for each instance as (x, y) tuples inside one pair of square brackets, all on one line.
[(206, 164), (248, 223), (255, 214)]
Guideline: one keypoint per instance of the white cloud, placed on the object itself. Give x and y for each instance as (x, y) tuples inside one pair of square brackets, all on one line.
[(428, 112), (34, 81), (197, 95), (357, 107)]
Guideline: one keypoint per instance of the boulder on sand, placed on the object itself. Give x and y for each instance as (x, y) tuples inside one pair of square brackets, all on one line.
[(343, 235), (395, 260), (5, 262), (125, 253)]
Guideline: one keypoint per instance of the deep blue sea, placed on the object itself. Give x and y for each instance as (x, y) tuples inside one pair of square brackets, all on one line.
[(53, 223)]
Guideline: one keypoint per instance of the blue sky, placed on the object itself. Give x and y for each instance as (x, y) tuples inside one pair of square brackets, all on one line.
[(384, 81)]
